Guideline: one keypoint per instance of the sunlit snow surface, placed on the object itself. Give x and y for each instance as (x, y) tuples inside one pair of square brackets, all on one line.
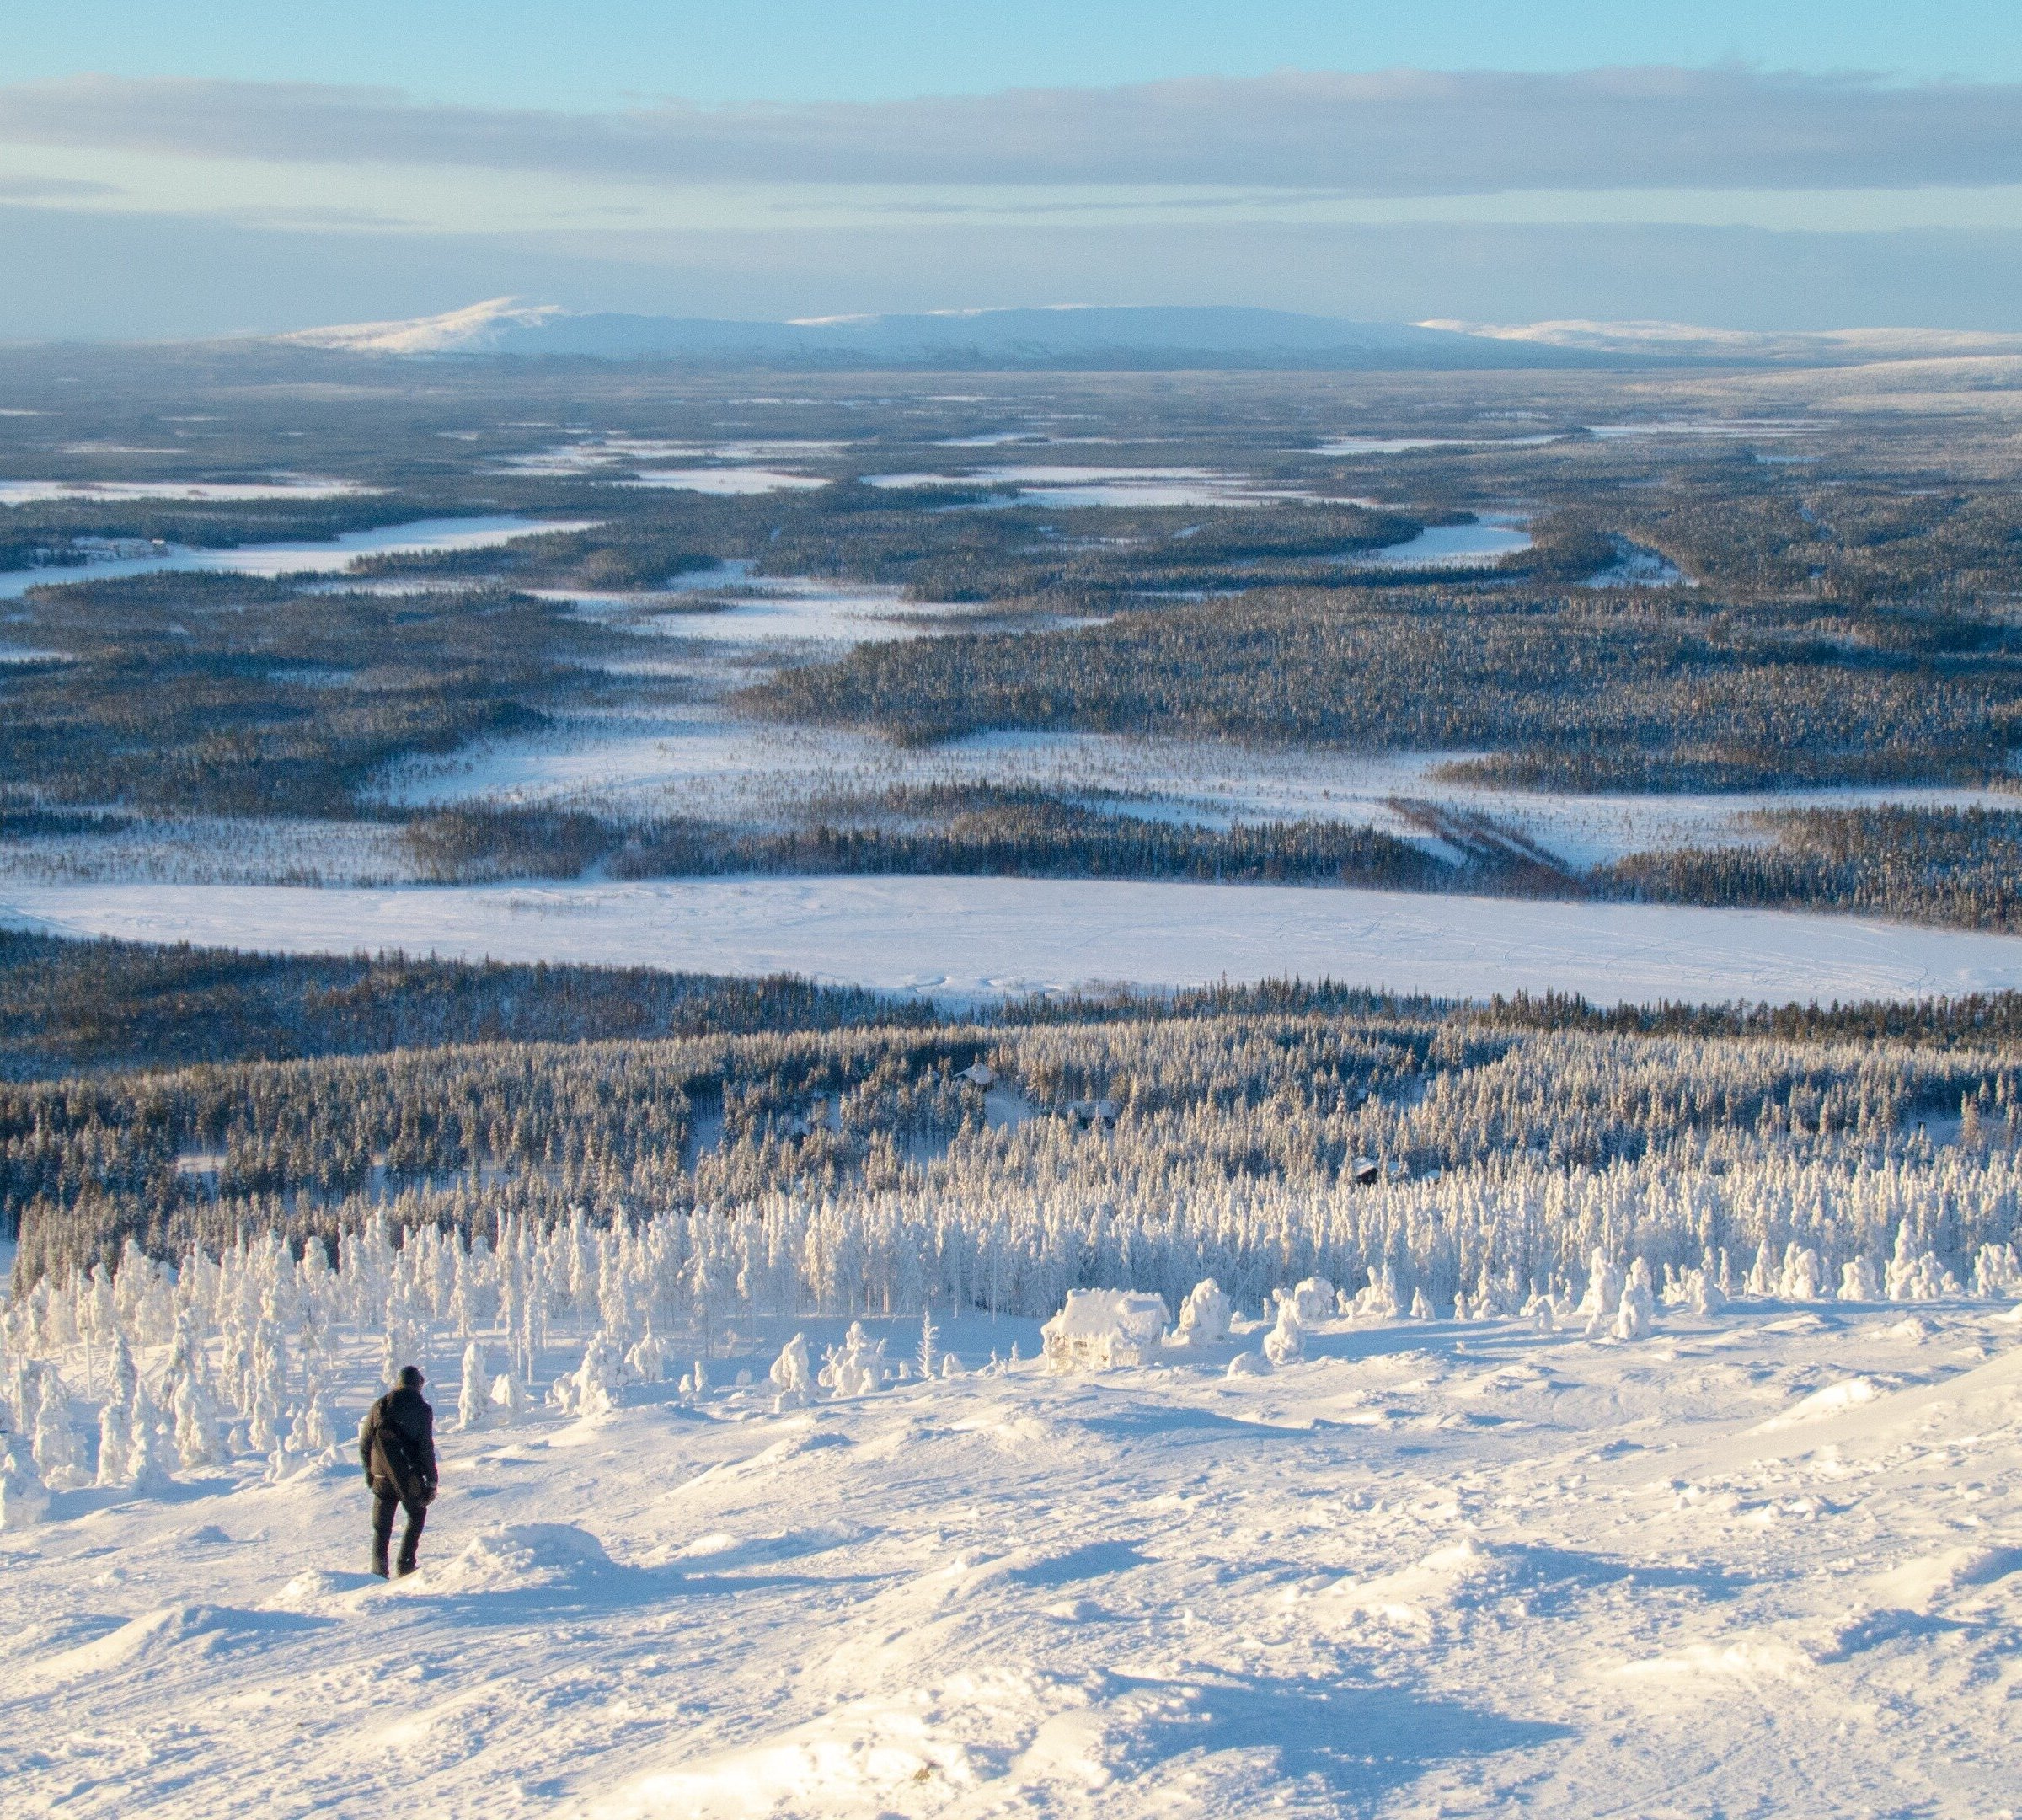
[(969, 937), (1435, 1569)]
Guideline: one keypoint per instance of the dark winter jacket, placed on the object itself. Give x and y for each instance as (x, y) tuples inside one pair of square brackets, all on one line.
[(397, 1447)]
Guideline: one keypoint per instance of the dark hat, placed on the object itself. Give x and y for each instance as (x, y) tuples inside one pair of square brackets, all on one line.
[(410, 1378)]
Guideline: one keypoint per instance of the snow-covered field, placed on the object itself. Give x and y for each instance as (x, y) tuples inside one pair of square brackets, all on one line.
[(968, 937), (314, 556), (1761, 1563), (703, 760), (299, 487), (1067, 487)]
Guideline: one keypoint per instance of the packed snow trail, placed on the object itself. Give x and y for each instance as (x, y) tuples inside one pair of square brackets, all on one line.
[(1435, 1567), (969, 938)]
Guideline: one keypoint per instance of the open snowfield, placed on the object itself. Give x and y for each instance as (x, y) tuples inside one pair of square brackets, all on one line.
[(963, 938), (35, 492), (701, 759), (311, 556), (1763, 1563)]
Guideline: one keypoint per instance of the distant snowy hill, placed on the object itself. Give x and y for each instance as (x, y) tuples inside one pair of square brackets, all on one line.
[(1065, 335), (1668, 341)]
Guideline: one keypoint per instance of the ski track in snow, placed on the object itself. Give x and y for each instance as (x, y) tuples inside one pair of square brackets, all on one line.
[(1435, 1569), (962, 938)]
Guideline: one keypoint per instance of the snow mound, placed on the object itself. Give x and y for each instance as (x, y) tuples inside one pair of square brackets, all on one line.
[(1916, 1586), (1411, 1595), (173, 1631), (1099, 1328), (522, 1555), (1747, 1658), (319, 1590), (1835, 1400), (860, 1760)]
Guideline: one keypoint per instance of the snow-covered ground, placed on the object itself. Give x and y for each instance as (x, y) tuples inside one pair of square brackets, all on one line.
[(725, 481), (317, 556), (968, 937), (1412, 445), (1763, 1563), (780, 615), (300, 487), (702, 760), (1067, 487), (596, 456)]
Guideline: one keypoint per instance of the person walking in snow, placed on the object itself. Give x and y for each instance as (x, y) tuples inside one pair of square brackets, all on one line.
[(397, 1447)]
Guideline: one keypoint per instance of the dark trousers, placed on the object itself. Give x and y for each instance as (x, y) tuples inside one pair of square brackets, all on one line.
[(384, 1504)]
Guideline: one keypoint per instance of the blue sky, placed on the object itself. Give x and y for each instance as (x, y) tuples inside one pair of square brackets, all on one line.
[(200, 167), (597, 53)]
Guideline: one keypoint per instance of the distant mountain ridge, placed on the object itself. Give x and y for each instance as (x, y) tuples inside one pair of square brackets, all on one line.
[(1213, 336)]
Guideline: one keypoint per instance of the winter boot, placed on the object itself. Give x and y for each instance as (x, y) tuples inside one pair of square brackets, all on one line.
[(379, 1558)]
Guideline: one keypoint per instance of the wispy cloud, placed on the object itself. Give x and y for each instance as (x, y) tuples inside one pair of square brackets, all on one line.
[(30, 188), (1401, 133)]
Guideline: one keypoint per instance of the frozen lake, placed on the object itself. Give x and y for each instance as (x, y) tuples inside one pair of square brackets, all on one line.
[(313, 556), (980, 936), (1479, 545)]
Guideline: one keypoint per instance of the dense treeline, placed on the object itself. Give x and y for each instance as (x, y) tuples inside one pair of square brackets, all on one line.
[(234, 695), (71, 1006), (1569, 693), (1193, 1108), (1962, 867), (956, 830)]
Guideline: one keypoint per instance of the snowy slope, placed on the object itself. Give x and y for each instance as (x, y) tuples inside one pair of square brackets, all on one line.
[(1691, 341), (1765, 1563), (962, 937), (1094, 336)]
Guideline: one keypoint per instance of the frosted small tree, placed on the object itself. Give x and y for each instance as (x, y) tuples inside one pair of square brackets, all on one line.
[(147, 1461), (508, 1397), (24, 1497), (116, 1439), (1313, 1301), (1636, 1314), (472, 1393), (592, 1387), (1204, 1315), (314, 1429), (56, 1445), (196, 1440), (125, 1373), (1802, 1277), (1996, 1273), (1860, 1280), (646, 1362), (1604, 1281), (857, 1367), (793, 1377), (924, 1358), (1286, 1343), (1381, 1298)]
